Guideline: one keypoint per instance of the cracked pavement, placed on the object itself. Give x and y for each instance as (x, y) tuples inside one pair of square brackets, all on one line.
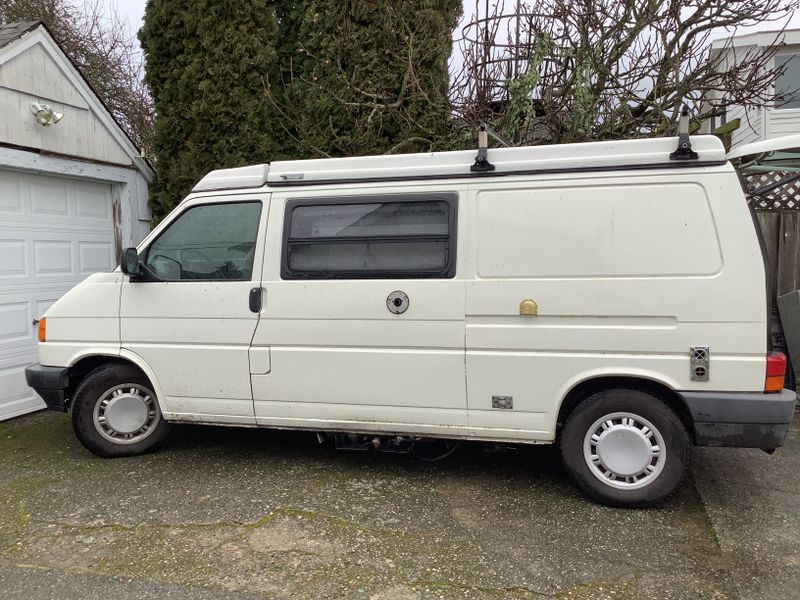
[(224, 513)]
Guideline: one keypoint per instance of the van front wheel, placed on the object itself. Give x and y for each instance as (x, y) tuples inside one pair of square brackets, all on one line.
[(115, 413), (625, 447)]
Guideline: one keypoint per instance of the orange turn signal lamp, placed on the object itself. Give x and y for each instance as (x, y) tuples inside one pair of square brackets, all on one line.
[(43, 329), (776, 371)]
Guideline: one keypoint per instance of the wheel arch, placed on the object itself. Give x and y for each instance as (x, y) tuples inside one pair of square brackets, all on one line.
[(89, 362), (591, 385)]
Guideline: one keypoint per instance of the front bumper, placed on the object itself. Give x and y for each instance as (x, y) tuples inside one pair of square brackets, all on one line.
[(50, 383), (742, 420)]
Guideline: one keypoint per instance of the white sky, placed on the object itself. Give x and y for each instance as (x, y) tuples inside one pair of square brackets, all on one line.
[(133, 11)]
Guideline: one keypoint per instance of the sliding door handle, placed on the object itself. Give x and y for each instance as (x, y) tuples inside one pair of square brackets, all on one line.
[(255, 299)]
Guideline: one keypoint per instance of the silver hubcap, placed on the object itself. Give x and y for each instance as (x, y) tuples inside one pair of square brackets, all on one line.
[(126, 414), (624, 451)]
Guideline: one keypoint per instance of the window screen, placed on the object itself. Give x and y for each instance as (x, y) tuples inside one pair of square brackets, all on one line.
[(212, 241), (370, 237), (787, 86)]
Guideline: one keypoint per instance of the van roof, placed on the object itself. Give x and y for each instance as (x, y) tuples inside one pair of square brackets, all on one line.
[(651, 153)]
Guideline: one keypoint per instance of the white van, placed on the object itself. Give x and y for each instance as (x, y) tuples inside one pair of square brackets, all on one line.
[(603, 296)]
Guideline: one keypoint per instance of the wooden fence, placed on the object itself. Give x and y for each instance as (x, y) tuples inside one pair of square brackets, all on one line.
[(782, 237), (778, 214)]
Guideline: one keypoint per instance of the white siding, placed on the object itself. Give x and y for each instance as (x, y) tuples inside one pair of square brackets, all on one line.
[(750, 129), (36, 73), (34, 76), (766, 123), (782, 122)]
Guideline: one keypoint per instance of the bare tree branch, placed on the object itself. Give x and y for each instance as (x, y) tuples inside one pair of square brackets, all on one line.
[(614, 68)]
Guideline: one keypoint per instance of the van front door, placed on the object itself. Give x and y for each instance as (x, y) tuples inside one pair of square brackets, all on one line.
[(364, 314), (193, 326)]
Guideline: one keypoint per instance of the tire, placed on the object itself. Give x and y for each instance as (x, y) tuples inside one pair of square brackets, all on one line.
[(115, 413), (625, 447)]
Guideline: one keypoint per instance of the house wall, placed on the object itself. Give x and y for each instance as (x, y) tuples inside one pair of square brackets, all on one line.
[(782, 122), (33, 76), (762, 123), (751, 128)]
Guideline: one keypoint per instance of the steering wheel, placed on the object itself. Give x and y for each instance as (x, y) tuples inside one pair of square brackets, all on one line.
[(205, 258)]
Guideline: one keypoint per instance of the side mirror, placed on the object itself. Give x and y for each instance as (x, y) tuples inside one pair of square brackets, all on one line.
[(130, 262)]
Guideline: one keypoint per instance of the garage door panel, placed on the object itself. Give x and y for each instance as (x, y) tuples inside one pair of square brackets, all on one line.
[(44, 304), (18, 398), (12, 381), (56, 201), (10, 193), (15, 322), (54, 231), (17, 313), (52, 258), (95, 256), (49, 198), (93, 204), (13, 258)]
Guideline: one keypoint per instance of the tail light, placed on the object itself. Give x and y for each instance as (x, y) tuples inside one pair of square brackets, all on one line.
[(42, 330), (776, 371)]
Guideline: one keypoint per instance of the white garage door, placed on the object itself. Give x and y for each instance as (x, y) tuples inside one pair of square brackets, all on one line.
[(54, 231)]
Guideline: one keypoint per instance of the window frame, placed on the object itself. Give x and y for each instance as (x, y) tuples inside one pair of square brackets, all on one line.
[(448, 272), (146, 253), (792, 56)]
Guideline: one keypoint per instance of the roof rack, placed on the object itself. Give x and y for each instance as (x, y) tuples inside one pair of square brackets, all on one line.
[(618, 155), (637, 154)]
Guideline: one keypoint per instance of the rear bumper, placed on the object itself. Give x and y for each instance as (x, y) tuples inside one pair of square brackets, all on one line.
[(742, 420), (50, 383)]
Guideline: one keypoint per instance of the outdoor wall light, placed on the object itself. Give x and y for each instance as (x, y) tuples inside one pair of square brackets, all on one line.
[(45, 114)]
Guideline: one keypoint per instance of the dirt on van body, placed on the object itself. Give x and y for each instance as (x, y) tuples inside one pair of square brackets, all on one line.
[(235, 513)]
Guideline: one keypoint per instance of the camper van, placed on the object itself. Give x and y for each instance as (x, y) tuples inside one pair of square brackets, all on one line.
[(608, 297)]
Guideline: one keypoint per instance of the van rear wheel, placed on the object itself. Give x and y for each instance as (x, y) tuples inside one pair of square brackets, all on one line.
[(115, 413), (625, 447)]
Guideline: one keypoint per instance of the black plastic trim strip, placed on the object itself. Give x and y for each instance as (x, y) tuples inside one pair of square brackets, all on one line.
[(490, 174), (741, 407)]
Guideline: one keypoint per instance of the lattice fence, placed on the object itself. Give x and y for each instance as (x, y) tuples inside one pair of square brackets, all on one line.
[(785, 198)]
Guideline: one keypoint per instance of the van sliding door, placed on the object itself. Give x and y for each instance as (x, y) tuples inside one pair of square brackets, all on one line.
[(364, 318)]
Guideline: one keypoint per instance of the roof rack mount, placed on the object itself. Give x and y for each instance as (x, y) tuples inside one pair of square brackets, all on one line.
[(482, 164), (684, 151)]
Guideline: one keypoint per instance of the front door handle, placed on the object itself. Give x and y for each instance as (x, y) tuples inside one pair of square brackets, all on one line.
[(255, 299)]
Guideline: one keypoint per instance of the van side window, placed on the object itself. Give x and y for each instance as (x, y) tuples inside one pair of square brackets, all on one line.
[(210, 241), (370, 237)]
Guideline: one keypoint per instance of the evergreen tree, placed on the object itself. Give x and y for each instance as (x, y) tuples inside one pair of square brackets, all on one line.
[(238, 83), (206, 64), (367, 76)]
